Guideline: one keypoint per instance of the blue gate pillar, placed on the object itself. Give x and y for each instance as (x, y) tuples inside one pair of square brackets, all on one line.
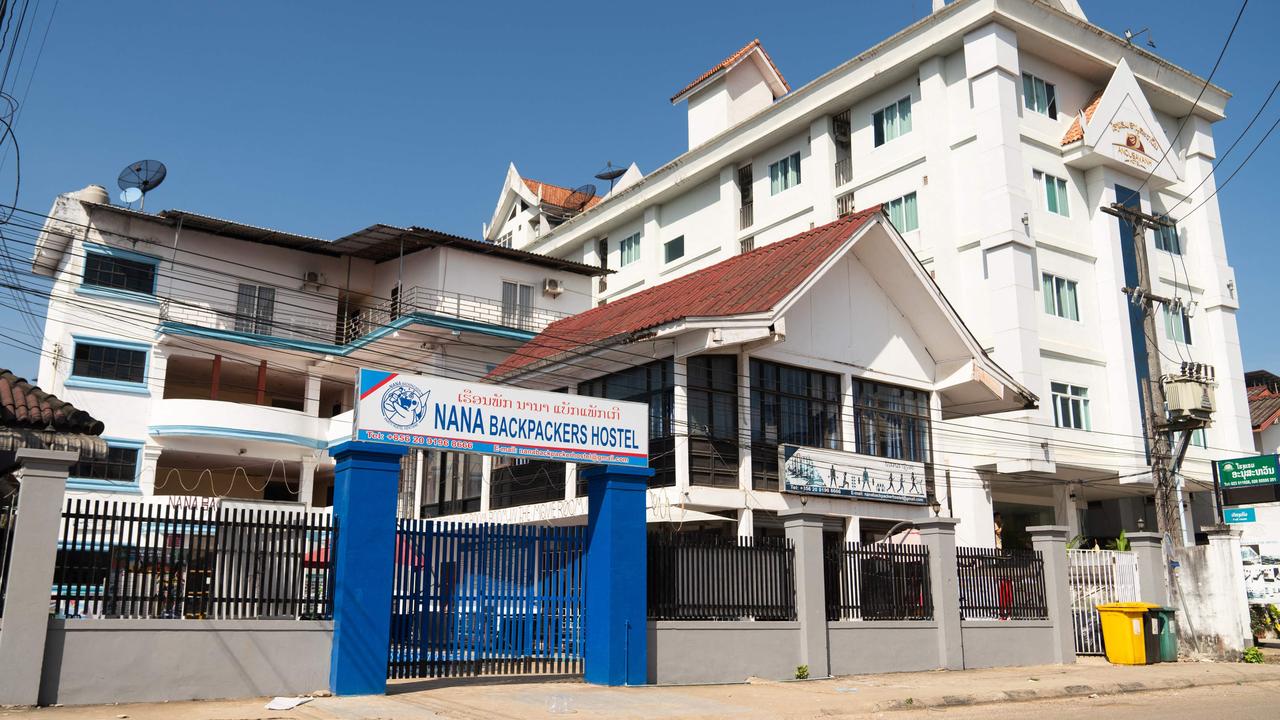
[(364, 507), (616, 582)]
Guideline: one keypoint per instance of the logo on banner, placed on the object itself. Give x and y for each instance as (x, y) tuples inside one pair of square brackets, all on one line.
[(404, 405)]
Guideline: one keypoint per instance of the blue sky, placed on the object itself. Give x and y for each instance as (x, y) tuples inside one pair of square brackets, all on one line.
[(320, 119)]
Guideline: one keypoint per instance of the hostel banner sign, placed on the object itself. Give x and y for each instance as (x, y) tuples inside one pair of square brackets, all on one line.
[(436, 413), (817, 471)]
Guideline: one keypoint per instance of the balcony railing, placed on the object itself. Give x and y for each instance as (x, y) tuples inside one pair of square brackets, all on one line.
[(746, 216), (446, 304), (844, 171), (320, 327)]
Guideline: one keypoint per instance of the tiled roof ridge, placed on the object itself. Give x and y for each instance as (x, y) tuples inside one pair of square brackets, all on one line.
[(729, 61), (534, 185), (1076, 131), (593, 326), (24, 405)]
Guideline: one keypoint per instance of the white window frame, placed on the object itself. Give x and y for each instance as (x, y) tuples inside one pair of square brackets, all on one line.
[(1051, 284), (518, 312), (1031, 98), (1168, 240), (1177, 325), (666, 249), (891, 122), (629, 249), (898, 207), (785, 173), (1070, 406), (1058, 186)]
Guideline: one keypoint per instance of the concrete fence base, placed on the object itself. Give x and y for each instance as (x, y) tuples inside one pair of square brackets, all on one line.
[(107, 661)]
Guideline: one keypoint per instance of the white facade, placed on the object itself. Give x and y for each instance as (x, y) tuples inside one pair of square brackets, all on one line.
[(225, 369), (968, 174)]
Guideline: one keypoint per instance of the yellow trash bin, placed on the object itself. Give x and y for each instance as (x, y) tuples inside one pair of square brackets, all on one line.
[(1124, 632)]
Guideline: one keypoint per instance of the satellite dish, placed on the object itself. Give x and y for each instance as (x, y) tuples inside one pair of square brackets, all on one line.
[(143, 176), (610, 173), (579, 198), (130, 196)]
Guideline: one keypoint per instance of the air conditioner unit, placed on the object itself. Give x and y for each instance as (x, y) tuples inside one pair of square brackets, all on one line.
[(1188, 399), (552, 287), (311, 277)]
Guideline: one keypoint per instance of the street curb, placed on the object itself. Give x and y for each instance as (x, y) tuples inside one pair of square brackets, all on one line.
[(1067, 691)]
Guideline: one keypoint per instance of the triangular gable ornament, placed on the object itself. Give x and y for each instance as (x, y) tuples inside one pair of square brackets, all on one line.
[(1124, 130)]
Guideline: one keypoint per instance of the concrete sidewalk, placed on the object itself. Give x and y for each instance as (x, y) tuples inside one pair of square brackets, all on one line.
[(852, 696)]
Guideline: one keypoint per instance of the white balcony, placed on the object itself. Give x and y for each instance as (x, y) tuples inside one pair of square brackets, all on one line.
[(241, 425)]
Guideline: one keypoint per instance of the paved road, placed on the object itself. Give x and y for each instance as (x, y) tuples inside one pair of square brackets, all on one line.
[(1253, 701)]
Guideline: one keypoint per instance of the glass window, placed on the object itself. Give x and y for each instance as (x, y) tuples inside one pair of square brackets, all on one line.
[(106, 362), (117, 273), (673, 249), (517, 304), (255, 308), (1055, 193), (1167, 237), (1177, 325), (629, 249), (892, 122), (790, 406), (891, 421), (1070, 406), (1039, 96), (713, 420), (784, 174), (653, 384), (903, 213), (120, 465), (1060, 297)]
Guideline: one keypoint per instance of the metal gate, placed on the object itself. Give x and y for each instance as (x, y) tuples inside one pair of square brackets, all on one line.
[(486, 599), (1097, 577)]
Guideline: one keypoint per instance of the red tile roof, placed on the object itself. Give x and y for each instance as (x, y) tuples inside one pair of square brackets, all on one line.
[(556, 195), (1264, 408), (1076, 131), (23, 405), (753, 282), (728, 63)]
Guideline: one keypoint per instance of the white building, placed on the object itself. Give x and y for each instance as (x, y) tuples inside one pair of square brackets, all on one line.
[(992, 133), (221, 356)]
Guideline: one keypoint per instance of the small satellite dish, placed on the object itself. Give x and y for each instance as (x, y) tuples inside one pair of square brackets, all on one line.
[(143, 176), (610, 173), (579, 198), (130, 195)]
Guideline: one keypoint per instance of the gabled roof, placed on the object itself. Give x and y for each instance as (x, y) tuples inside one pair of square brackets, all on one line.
[(752, 282), (1264, 410), (32, 418), (555, 194), (1075, 133), (726, 64)]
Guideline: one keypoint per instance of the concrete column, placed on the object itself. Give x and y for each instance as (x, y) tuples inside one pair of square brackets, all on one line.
[(1066, 509), (419, 469), (1153, 568), (42, 481), (651, 240), (616, 648), (853, 529), (367, 480), (804, 530), (680, 415), (822, 170), (307, 482), (744, 423), (939, 535), (746, 523), (728, 209), (311, 396), (486, 482), (147, 470), (1224, 557), (1051, 542)]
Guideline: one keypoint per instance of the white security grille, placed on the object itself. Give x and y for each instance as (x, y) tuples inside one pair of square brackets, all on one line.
[(1098, 577)]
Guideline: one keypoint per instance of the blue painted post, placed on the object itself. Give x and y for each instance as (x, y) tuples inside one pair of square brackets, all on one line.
[(616, 583), (364, 504)]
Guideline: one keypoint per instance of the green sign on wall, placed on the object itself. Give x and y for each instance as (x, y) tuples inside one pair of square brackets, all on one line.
[(1248, 472)]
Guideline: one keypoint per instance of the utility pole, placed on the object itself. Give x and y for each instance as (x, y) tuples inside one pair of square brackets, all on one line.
[(1168, 504)]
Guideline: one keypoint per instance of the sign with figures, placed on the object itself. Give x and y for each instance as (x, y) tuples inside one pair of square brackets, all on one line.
[(817, 471), (436, 413)]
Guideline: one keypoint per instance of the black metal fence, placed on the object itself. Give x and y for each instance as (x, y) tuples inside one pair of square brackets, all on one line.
[(139, 560), (8, 521), (1001, 584), (699, 577), (878, 582)]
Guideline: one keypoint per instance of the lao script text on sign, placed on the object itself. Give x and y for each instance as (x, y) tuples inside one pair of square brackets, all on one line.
[(817, 471), (437, 413), (1247, 472)]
